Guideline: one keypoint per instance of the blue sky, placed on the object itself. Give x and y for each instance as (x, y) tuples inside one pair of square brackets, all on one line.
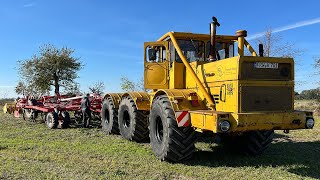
[(108, 36)]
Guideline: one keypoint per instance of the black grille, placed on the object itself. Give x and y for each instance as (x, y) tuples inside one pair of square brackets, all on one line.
[(283, 72), (256, 98)]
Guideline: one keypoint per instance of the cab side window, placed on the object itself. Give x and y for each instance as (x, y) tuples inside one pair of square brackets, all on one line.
[(156, 54), (223, 50)]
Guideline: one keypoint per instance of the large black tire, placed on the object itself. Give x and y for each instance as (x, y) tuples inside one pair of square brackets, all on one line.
[(52, 119), (109, 117), (65, 122), (169, 142), (249, 143), (133, 124)]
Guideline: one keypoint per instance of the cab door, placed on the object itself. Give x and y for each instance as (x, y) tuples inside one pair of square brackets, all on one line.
[(156, 65)]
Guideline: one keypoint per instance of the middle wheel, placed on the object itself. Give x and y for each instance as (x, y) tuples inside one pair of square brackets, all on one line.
[(133, 124)]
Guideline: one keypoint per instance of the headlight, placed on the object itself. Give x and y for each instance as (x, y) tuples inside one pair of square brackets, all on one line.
[(309, 123), (224, 126)]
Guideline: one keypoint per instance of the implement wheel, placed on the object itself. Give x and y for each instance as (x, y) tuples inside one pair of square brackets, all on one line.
[(169, 142), (109, 117), (52, 119), (31, 114), (133, 124), (65, 122), (249, 143)]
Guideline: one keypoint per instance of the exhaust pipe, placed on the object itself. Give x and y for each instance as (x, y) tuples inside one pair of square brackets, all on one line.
[(213, 31)]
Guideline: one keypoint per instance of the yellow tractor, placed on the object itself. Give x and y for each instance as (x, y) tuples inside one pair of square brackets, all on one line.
[(206, 83)]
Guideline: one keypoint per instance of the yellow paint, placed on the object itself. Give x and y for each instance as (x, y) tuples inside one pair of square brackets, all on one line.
[(9, 108), (116, 98), (141, 99), (180, 99), (156, 73), (248, 121), (177, 76)]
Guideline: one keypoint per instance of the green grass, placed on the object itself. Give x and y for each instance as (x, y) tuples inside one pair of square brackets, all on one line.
[(29, 150)]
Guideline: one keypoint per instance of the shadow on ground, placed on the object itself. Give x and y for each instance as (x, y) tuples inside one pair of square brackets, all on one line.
[(94, 123), (301, 158)]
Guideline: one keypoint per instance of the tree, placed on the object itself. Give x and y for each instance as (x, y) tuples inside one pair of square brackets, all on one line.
[(317, 65), (21, 88), (73, 89), (51, 67), (275, 47), (129, 85), (26, 90), (97, 88)]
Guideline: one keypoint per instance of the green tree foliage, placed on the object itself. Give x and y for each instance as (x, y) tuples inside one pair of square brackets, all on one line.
[(309, 94), (23, 89), (129, 85), (52, 67), (72, 90), (97, 88)]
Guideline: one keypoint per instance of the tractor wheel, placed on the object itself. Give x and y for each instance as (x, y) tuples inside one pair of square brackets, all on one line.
[(133, 124), (109, 117), (66, 119), (52, 120), (169, 142), (249, 143)]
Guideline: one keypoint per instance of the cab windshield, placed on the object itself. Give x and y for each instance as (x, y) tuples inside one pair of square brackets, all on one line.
[(195, 50)]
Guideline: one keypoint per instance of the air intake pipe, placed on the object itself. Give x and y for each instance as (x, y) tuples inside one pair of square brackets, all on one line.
[(213, 31)]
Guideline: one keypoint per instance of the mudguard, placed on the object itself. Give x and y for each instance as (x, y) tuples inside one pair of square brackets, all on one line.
[(116, 98), (141, 99)]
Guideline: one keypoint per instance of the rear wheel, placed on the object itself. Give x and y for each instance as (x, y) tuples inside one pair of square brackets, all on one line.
[(249, 143), (109, 117), (52, 119), (133, 124), (169, 142)]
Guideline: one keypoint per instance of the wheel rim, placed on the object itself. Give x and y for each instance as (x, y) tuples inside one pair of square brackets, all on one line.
[(159, 129), (126, 119), (107, 116), (28, 113), (49, 120)]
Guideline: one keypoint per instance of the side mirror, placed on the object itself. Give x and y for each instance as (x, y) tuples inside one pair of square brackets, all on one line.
[(152, 54)]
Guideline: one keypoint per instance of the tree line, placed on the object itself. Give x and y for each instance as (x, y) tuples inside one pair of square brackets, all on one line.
[(308, 94)]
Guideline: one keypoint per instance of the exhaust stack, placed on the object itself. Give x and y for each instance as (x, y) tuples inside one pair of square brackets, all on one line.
[(213, 31)]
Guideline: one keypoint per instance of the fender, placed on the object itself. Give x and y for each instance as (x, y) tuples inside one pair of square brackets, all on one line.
[(182, 99), (116, 98), (141, 99)]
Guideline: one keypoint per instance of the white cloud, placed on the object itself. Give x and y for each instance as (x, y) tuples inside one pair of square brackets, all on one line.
[(287, 27), (29, 5)]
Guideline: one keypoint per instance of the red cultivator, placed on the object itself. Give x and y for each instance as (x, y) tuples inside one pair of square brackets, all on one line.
[(54, 110)]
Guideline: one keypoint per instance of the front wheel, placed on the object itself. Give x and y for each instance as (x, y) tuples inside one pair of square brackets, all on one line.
[(169, 142)]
